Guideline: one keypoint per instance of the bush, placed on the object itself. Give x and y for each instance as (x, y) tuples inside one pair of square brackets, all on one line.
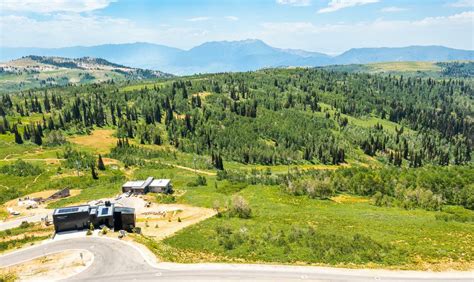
[(314, 188), (240, 207), (104, 230), (200, 181), (21, 168), (55, 138), (25, 224), (165, 199)]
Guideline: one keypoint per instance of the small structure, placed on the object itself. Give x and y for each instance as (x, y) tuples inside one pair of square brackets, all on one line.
[(81, 217), (148, 185), (60, 194)]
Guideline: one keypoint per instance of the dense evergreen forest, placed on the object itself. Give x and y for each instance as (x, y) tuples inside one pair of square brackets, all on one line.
[(273, 116)]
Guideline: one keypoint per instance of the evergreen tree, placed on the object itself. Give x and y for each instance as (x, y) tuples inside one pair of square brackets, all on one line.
[(94, 173), (100, 163)]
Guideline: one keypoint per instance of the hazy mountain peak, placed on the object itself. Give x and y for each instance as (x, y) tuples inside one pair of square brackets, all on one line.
[(238, 55)]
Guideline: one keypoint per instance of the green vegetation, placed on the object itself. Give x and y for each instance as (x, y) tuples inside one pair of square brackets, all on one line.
[(308, 166), (288, 229), (26, 233), (21, 168)]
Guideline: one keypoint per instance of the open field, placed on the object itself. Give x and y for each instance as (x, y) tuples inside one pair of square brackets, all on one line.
[(100, 141), (350, 232)]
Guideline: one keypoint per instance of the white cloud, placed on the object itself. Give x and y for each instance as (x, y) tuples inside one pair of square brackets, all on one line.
[(453, 31), (49, 6), (335, 5), (393, 9), (63, 30), (231, 18), (463, 4), (298, 3), (198, 19)]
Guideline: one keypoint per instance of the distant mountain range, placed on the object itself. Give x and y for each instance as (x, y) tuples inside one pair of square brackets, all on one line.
[(245, 55)]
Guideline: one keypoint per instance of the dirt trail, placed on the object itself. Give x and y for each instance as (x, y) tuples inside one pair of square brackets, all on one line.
[(192, 169)]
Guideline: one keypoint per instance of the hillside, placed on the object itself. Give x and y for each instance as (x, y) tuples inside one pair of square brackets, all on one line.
[(39, 71), (464, 69), (300, 166), (244, 55)]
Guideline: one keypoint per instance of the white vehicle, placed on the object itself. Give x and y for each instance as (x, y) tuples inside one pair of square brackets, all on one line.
[(13, 212)]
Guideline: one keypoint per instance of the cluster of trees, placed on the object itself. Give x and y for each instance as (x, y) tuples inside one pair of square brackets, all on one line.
[(268, 117)]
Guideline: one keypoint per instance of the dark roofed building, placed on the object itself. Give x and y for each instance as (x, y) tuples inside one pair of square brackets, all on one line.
[(81, 217)]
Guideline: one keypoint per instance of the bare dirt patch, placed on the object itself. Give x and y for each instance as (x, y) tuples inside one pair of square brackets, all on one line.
[(41, 209), (166, 220), (162, 220), (101, 140), (51, 267)]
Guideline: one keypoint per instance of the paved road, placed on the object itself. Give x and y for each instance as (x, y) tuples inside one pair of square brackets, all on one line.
[(17, 221), (116, 260)]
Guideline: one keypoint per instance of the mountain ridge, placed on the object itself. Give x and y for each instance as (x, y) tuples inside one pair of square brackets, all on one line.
[(243, 55), (37, 71)]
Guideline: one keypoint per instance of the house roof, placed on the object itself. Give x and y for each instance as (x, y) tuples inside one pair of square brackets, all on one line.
[(150, 181), (75, 209), (134, 184), (105, 211), (160, 182), (125, 210)]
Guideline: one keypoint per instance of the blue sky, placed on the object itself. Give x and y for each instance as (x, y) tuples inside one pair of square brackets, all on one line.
[(330, 26)]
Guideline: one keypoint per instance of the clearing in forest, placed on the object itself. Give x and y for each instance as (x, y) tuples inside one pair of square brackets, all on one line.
[(100, 140)]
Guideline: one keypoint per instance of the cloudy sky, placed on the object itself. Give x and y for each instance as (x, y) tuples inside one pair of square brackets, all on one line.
[(330, 26)]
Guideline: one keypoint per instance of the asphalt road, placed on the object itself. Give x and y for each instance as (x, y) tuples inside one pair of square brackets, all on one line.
[(118, 261), (4, 225)]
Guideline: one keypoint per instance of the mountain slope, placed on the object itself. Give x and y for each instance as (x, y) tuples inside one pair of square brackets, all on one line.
[(244, 55), (37, 71), (412, 53)]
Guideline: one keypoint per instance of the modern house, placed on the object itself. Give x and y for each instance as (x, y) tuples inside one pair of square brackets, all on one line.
[(81, 217), (148, 185)]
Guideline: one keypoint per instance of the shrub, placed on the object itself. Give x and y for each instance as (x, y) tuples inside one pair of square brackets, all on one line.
[(55, 138), (25, 224), (314, 188), (165, 198), (240, 207), (104, 230), (21, 168), (200, 181)]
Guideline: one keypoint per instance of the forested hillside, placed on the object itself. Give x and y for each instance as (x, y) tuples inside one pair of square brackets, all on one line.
[(280, 155), (270, 116)]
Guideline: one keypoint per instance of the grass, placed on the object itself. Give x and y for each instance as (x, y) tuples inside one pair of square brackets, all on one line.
[(404, 67), (344, 231), (409, 239), (25, 234), (100, 141)]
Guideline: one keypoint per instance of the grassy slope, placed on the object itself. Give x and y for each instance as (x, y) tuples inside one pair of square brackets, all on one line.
[(412, 237), (409, 238), (12, 82)]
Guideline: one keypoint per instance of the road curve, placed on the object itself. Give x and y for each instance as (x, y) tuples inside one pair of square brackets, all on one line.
[(117, 260)]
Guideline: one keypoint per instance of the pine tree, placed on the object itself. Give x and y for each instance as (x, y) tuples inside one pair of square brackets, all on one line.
[(100, 163), (18, 138), (94, 173)]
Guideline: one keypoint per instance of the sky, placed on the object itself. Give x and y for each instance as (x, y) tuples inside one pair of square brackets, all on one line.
[(329, 26)]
